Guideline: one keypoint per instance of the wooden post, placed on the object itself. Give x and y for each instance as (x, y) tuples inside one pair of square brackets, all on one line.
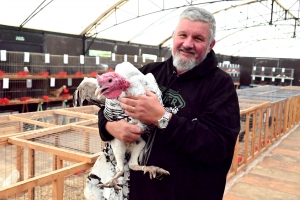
[(246, 137), (55, 158), (253, 134), (58, 189), (20, 161), (261, 119), (287, 110), (234, 164), (86, 142), (280, 128), (31, 171), (267, 128)]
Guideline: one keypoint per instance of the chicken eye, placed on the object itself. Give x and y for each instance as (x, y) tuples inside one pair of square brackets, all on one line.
[(110, 80)]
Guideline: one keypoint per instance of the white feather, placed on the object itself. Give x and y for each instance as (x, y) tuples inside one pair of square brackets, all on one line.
[(87, 89), (114, 160), (12, 178), (1, 182)]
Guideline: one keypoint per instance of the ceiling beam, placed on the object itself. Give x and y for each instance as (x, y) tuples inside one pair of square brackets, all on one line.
[(224, 9), (103, 15), (285, 9)]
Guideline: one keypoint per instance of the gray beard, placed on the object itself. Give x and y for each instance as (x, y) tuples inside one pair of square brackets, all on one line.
[(183, 65)]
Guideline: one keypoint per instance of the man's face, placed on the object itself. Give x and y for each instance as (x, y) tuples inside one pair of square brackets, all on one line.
[(191, 43)]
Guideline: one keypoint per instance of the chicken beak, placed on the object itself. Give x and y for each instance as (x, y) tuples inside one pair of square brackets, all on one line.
[(97, 91)]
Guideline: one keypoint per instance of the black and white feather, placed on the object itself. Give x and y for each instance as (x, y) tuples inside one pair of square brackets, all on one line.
[(117, 156)]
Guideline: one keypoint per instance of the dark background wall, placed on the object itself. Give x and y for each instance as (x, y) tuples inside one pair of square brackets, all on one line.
[(33, 42), (58, 44)]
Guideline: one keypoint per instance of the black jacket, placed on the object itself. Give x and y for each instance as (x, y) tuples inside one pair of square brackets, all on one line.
[(198, 144)]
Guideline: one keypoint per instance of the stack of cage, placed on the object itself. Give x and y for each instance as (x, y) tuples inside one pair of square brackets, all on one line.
[(19, 71), (232, 69), (272, 76)]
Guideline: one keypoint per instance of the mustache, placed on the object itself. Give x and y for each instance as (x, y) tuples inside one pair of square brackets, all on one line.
[(187, 50)]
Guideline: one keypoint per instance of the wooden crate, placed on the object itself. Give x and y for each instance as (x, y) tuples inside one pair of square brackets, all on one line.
[(53, 163), (90, 109), (250, 142), (55, 117), (70, 142), (264, 123), (12, 125), (43, 175)]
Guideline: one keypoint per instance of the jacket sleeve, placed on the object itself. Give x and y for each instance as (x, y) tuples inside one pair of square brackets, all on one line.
[(212, 137)]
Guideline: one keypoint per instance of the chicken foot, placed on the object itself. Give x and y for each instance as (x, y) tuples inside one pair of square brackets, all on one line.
[(154, 172), (113, 183)]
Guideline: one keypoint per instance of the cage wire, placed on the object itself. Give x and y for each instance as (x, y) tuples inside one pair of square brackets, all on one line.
[(43, 163), (89, 123), (52, 117), (74, 184), (78, 141), (14, 160), (89, 109), (29, 73), (10, 127)]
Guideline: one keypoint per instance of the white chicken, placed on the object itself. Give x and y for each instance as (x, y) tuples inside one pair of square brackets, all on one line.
[(111, 170), (86, 91), (11, 179)]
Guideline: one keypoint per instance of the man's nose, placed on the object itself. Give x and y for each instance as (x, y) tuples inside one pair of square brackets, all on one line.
[(188, 43)]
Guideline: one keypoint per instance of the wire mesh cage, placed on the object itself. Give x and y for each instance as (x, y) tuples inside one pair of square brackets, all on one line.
[(272, 76), (266, 113), (11, 125), (55, 117), (89, 109), (31, 64), (71, 142), (33, 165), (232, 69), (254, 122), (51, 162), (21, 90), (37, 76), (33, 174), (90, 123)]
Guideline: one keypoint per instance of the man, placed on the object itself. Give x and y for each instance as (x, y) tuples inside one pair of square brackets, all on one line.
[(198, 125)]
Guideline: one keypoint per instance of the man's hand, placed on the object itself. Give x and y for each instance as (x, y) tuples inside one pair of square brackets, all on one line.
[(145, 108), (124, 131)]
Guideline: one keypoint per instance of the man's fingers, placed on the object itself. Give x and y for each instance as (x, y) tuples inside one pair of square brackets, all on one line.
[(132, 137), (149, 93)]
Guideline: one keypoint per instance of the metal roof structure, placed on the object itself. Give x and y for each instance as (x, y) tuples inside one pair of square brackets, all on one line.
[(245, 28)]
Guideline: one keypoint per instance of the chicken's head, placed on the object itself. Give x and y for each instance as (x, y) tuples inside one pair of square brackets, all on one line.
[(112, 84)]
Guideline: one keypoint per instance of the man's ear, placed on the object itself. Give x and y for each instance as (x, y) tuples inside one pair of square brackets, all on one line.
[(212, 44)]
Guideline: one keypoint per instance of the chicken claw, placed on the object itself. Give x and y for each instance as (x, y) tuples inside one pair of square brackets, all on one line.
[(155, 172), (113, 183)]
